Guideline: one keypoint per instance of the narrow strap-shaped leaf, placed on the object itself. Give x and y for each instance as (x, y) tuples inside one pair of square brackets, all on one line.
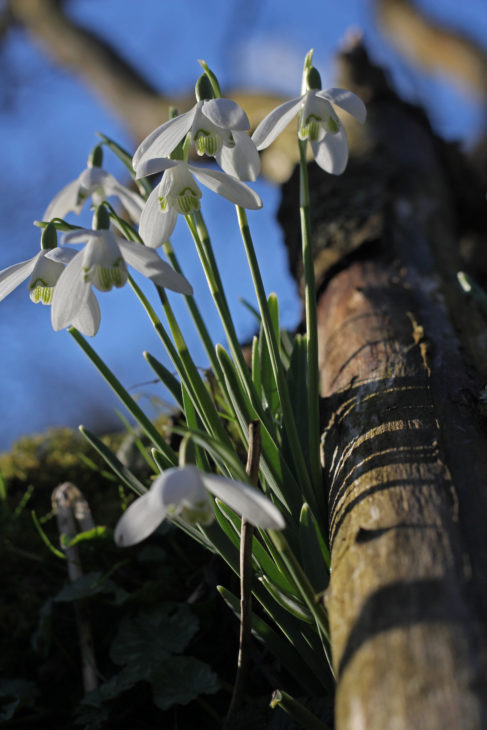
[(273, 465), (139, 415), (264, 561), (124, 474), (295, 607), (200, 458), (286, 623), (167, 378), (142, 449), (126, 158), (268, 381), (298, 391), (282, 649), (314, 552)]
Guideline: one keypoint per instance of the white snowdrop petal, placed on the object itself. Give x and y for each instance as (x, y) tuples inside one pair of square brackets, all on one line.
[(226, 113), (246, 501), (70, 294), (93, 177), (156, 226), (163, 140), (79, 235), (14, 275), (66, 201), (179, 484), (88, 318), (275, 122), (346, 100), (139, 520), (331, 153), (132, 202), (153, 165), (241, 161), (228, 187), (150, 264), (61, 254)]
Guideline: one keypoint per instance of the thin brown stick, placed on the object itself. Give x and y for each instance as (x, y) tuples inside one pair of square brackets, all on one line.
[(252, 468), (69, 504)]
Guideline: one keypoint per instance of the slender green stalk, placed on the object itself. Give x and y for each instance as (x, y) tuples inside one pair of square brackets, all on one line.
[(182, 361), (202, 241), (311, 321), (147, 426), (196, 316), (277, 368), (303, 585), (304, 717)]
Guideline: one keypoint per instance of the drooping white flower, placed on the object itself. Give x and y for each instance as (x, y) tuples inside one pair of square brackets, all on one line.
[(178, 193), (43, 272), (317, 122), (183, 492), (98, 184), (102, 263), (218, 128)]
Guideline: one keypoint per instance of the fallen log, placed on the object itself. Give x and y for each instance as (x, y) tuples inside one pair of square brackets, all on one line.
[(404, 444)]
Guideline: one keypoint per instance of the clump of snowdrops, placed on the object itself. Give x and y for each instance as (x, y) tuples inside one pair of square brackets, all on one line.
[(266, 518)]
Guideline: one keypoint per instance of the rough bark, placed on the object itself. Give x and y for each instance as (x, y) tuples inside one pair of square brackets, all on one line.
[(404, 446)]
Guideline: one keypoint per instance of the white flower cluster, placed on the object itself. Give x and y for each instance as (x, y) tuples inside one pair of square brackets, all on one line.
[(215, 127), (65, 278)]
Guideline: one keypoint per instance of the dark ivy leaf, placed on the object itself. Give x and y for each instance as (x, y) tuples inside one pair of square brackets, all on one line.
[(180, 680), (114, 687), (149, 638), (88, 585), (14, 694)]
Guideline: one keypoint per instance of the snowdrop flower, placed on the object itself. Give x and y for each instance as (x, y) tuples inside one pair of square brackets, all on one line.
[(317, 122), (98, 184), (43, 272), (218, 128), (102, 263), (183, 492), (178, 193)]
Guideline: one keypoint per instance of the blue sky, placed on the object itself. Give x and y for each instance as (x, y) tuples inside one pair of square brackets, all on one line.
[(48, 121)]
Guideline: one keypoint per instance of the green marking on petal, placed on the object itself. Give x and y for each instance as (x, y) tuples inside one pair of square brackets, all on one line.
[(332, 125), (201, 512), (187, 201), (310, 128), (105, 278), (41, 292), (207, 143)]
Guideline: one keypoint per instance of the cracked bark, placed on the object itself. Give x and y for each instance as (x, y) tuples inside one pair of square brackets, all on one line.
[(404, 446)]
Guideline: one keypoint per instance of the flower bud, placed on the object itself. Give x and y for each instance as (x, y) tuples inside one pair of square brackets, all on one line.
[(203, 89), (49, 237), (101, 219), (313, 79), (95, 158)]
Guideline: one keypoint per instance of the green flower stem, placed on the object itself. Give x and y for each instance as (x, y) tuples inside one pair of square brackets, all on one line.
[(202, 241), (196, 316), (302, 584), (277, 368), (297, 711), (183, 362), (311, 325), (207, 410), (147, 426)]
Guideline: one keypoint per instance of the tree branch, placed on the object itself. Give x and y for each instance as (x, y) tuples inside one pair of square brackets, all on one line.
[(404, 447), (432, 46), (127, 92)]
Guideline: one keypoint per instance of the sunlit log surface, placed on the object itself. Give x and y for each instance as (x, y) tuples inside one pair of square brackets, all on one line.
[(404, 445)]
